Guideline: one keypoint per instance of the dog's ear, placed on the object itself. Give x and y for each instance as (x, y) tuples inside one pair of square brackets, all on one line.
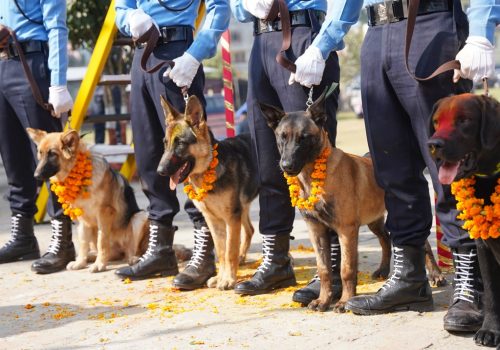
[(272, 115), (36, 135), (171, 114), (69, 141), (490, 122), (317, 111), (194, 112)]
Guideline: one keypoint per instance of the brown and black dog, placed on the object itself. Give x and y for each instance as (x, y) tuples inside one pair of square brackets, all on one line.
[(189, 145), (465, 141), (111, 222), (352, 198)]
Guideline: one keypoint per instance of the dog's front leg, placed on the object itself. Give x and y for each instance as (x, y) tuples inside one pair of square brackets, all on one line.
[(85, 234), (228, 279), (218, 230), (348, 237), (105, 221), (320, 239), (247, 233), (489, 334)]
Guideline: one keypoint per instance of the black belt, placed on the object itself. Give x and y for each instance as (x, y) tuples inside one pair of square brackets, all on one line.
[(170, 34), (397, 10), (299, 18), (31, 46)]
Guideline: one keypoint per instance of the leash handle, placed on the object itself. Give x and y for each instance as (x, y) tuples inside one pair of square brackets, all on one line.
[(279, 9), (410, 26)]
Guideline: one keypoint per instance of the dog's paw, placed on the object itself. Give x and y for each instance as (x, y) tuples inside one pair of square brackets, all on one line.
[(318, 305), (226, 283), (381, 273), (339, 307), (76, 265), (97, 267), (212, 282), (437, 279), (487, 337), (133, 260)]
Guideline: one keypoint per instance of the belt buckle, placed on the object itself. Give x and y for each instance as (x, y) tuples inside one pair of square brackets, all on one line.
[(382, 13)]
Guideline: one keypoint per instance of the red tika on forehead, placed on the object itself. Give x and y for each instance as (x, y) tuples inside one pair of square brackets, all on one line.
[(446, 120)]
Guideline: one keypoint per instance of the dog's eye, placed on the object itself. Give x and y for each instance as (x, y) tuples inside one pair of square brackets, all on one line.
[(51, 153), (463, 121), (283, 135), (303, 137)]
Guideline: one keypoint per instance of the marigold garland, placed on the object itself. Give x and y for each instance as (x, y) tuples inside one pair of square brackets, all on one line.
[(75, 185), (209, 177), (482, 221), (318, 177)]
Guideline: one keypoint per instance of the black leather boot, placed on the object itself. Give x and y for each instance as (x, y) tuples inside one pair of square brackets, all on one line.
[(60, 251), (159, 259), (311, 291), (201, 266), (274, 272), (465, 312), (407, 288), (22, 244)]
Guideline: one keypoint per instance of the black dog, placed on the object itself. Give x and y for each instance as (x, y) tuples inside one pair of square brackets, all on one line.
[(465, 141)]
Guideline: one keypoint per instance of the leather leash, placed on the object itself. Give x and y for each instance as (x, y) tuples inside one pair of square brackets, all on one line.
[(150, 39), (5, 33), (279, 9), (410, 26)]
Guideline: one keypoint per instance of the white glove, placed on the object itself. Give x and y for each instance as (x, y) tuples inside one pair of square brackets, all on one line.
[(258, 8), (139, 22), (477, 60), (184, 70), (60, 99), (310, 67)]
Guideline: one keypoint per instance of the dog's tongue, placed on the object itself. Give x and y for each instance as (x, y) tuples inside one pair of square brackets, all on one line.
[(174, 179), (447, 172)]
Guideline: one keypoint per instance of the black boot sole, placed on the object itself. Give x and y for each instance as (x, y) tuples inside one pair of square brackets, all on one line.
[(165, 273), (282, 284), (424, 306), (462, 328), (30, 256)]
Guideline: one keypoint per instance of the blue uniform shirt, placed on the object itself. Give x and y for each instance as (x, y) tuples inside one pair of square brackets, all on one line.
[(51, 14), (205, 43)]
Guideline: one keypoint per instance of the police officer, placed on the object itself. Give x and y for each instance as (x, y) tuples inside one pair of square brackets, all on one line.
[(41, 30), (397, 109), (270, 83), (175, 23)]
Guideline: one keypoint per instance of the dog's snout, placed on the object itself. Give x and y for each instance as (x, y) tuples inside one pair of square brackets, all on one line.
[(435, 146), (286, 165), (162, 170)]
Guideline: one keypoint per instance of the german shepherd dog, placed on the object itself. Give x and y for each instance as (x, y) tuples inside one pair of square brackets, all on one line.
[(351, 198), (111, 221), (465, 140), (189, 145)]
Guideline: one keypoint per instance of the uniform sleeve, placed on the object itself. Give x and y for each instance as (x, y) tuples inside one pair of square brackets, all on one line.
[(239, 11), (484, 16), (216, 22), (122, 8), (54, 21), (341, 17)]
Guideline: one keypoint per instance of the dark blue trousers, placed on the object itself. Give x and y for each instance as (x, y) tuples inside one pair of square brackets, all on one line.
[(19, 110), (397, 109), (268, 83), (148, 126)]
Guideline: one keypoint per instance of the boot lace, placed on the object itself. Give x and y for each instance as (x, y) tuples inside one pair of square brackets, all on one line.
[(201, 237), (14, 229), (334, 251), (153, 241), (464, 276), (55, 240), (396, 273), (267, 252)]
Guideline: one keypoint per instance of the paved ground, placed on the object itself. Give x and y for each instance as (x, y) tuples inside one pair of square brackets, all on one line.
[(80, 310)]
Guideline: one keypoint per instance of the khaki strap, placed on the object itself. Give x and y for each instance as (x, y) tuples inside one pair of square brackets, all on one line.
[(410, 26)]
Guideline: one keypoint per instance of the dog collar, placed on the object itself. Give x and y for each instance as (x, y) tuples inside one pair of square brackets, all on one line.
[(496, 172)]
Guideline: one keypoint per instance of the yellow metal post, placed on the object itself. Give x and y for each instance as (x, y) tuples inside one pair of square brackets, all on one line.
[(86, 91)]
